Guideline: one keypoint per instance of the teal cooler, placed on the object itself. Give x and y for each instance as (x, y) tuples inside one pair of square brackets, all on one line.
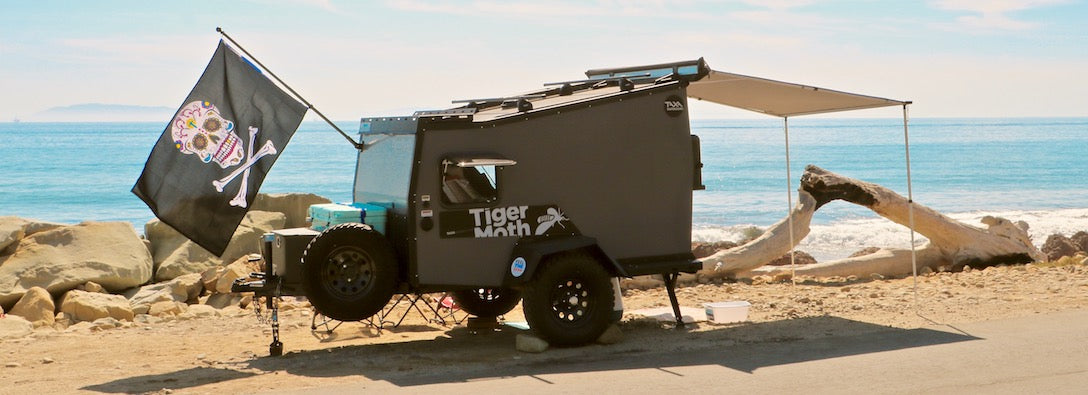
[(323, 216)]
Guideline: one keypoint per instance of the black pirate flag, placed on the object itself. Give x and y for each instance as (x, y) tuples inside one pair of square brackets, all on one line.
[(210, 161)]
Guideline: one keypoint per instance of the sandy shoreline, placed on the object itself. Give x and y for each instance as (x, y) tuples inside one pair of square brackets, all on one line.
[(228, 353)]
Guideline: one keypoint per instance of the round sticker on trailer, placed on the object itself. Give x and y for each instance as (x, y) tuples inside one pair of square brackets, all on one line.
[(518, 267)]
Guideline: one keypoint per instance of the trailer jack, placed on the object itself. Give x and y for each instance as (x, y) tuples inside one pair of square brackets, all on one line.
[(272, 297)]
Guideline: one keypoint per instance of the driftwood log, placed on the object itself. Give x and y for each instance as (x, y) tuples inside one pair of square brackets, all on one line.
[(952, 244)]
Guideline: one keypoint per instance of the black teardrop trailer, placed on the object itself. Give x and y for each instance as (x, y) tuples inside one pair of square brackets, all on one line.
[(546, 197)]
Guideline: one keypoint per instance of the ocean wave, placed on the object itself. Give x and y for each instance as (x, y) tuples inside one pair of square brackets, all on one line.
[(839, 238)]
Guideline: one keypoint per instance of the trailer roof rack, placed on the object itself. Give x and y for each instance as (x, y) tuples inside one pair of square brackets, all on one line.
[(689, 70)]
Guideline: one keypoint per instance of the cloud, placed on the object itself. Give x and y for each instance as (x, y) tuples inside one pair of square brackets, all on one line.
[(132, 51), (672, 9), (322, 4), (778, 4), (993, 14)]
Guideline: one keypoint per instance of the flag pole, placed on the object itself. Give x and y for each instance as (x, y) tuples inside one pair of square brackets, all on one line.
[(358, 145)]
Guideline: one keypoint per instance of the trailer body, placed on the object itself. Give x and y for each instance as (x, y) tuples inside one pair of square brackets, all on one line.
[(549, 195)]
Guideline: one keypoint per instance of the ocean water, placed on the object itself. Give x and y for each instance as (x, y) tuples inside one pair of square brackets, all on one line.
[(1030, 169)]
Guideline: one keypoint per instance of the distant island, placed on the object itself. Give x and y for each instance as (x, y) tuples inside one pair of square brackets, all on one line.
[(97, 112)]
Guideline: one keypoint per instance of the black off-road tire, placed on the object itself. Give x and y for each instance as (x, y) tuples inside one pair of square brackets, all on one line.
[(570, 299), (349, 272), (487, 302)]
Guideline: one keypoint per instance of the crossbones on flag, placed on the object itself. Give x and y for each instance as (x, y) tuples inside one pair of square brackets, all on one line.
[(207, 166)]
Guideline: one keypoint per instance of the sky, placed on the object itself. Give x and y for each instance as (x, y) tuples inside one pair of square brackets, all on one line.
[(952, 58)]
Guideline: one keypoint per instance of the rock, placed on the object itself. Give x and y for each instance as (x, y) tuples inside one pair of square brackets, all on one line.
[(62, 320), (783, 277), (762, 279), (80, 327), (528, 343), (47, 360), (702, 250), (105, 323), (36, 306), (237, 269), (220, 301), (612, 335), (294, 206), (641, 282), (1080, 241), (90, 306), (61, 258), (210, 277), (686, 279), (159, 309), (146, 319), (801, 258), (234, 311), (13, 229), (181, 289), (1057, 246), (13, 365), (174, 255), (92, 286), (202, 310), (188, 285), (14, 327), (245, 300)]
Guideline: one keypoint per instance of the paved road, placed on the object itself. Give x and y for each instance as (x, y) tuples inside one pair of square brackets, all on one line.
[(1035, 354)]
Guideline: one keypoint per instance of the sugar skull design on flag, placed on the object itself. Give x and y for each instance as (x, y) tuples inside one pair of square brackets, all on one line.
[(206, 168), (199, 130)]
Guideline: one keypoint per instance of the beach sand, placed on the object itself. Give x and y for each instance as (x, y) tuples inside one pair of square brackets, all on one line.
[(228, 354)]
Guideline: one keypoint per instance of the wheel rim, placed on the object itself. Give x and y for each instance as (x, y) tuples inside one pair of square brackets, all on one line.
[(570, 301), (348, 272)]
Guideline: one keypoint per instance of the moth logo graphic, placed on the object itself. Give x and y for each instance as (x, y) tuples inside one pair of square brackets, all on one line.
[(201, 131), (547, 221)]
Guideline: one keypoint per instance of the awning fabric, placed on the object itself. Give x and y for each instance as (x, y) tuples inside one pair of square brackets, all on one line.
[(778, 98)]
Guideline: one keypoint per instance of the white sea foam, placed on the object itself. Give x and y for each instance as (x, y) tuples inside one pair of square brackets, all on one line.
[(840, 238)]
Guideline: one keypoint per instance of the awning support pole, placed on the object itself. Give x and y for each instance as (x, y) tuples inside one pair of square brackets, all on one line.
[(910, 207), (789, 198)]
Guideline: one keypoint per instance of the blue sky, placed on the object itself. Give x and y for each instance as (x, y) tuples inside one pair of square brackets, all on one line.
[(350, 59)]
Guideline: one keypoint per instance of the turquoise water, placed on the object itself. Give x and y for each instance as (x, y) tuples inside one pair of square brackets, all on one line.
[(1024, 168)]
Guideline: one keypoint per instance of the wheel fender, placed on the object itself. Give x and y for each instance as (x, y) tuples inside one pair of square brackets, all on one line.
[(528, 253)]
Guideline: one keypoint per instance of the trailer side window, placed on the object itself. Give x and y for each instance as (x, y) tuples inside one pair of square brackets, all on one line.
[(470, 184)]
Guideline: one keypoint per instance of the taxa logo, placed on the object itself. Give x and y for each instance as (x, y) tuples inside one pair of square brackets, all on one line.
[(674, 106)]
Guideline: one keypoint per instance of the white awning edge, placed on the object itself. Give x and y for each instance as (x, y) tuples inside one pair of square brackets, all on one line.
[(782, 99)]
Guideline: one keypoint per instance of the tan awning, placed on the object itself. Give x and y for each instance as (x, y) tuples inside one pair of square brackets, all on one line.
[(778, 98)]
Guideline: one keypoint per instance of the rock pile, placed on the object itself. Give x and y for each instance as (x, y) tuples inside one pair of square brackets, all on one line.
[(1058, 246), (63, 257), (102, 275)]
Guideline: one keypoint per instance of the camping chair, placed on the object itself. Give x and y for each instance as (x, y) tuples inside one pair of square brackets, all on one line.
[(448, 309)]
